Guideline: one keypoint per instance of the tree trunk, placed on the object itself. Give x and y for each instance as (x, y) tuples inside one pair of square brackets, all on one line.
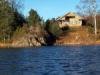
[(95, 25)]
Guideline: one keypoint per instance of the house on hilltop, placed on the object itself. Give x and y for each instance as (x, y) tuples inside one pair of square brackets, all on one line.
[(70, 19)]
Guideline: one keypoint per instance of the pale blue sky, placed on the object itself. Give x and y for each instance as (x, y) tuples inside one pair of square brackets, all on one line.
[(50, 8)]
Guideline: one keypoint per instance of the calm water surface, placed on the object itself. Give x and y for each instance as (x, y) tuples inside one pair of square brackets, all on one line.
[(69, 60)]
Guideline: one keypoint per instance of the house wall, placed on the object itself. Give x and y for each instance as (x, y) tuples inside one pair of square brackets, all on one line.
[(75, 22), (72, 22)]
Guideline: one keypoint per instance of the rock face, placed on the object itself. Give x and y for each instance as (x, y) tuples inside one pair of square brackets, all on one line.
[(28, 41), (33, 38)]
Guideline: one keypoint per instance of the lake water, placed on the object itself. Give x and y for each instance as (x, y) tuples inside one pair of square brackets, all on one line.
[(54, 60)]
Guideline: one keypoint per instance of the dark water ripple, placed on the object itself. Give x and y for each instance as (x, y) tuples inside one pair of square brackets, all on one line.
[(69, 60)]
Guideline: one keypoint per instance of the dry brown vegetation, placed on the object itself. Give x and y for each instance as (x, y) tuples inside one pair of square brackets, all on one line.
[(79, 36)]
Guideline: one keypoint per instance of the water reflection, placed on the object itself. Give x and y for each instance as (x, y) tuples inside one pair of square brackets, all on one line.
[(79, 60)]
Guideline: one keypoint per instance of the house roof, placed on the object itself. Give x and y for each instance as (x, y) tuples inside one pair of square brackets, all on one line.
[(70, 14)]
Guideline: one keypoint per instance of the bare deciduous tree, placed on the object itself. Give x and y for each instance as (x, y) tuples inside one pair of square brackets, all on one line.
[(15, 4), (89, 8)]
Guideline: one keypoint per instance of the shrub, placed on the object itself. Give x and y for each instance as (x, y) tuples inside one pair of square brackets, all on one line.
[(53, 28)]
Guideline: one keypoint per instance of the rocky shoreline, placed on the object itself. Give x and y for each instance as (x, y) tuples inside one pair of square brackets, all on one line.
[(22, 45), (26, 41), (77, 44)]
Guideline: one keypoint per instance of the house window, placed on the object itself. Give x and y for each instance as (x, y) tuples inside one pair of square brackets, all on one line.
[(73, 22), (67, 19)]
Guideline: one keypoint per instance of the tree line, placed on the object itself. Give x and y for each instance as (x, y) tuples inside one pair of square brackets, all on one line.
[(10, 18), (90, 10)]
